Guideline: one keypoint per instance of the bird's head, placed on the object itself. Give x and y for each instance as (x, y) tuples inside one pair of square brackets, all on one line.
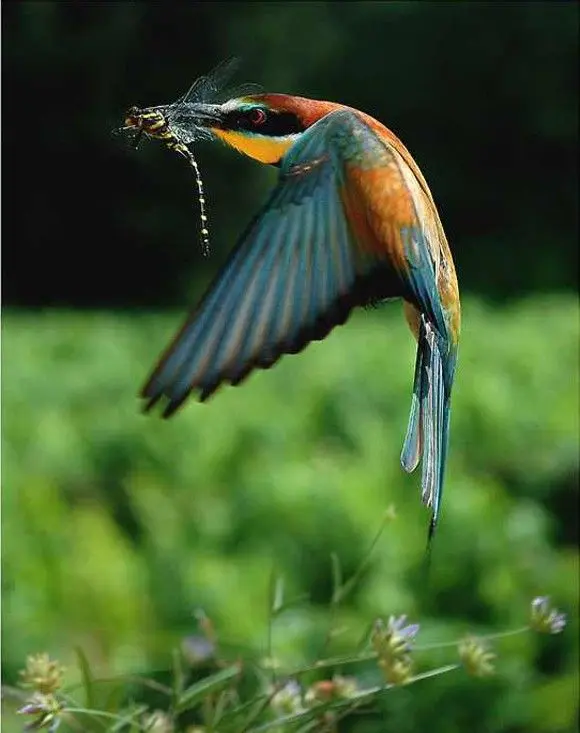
[(262, 126)]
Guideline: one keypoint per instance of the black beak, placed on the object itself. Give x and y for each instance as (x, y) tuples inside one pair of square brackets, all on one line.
[(202, 115)]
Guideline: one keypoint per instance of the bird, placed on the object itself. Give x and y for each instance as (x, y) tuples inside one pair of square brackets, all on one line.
[(351, 222)]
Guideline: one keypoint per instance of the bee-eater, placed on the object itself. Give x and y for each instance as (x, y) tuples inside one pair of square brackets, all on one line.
[(351, 222)]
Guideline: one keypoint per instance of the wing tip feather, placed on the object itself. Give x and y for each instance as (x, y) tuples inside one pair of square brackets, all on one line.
[(206, 385)]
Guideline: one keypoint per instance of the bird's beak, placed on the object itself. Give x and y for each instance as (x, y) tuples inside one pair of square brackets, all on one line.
[(203, 115)]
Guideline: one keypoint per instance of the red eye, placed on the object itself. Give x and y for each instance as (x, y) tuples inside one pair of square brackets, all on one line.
[(257, 116)]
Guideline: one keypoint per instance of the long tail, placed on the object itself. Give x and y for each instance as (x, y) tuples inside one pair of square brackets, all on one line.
[(428, 430)]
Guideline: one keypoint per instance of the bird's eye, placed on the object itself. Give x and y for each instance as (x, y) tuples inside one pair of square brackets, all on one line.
[(257, 116)]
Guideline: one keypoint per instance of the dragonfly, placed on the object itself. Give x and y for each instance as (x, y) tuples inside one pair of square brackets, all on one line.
[(177, 126)]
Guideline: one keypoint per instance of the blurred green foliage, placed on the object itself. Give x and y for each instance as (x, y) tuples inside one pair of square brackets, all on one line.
[(117, 526)]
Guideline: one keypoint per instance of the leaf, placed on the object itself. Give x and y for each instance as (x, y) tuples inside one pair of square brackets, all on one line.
[(194, 695), (86, 677), (129, 717), (336, 577), (178, 676), (278, 596)]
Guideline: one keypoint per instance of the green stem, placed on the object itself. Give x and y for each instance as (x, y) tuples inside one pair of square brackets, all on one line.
[(483, 637)]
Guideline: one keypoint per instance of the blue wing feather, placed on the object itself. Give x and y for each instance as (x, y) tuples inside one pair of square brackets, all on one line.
[(295, 274)]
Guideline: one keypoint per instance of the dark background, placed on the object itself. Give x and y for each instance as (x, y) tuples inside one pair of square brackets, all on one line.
[(484, 96)]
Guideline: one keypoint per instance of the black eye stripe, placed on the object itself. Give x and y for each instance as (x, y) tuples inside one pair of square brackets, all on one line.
[(275, 124)]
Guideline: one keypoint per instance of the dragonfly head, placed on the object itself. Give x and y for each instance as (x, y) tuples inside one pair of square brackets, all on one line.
[(161, 123), (150, 120)]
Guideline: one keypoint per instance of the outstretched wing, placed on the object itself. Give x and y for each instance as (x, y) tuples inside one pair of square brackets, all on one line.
[(301, 266)]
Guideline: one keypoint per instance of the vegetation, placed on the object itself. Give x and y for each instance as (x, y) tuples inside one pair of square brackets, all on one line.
[(284, 482)]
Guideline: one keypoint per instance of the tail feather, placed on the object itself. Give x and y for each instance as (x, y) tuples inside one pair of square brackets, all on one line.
[(428, 428), (411, 453)]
